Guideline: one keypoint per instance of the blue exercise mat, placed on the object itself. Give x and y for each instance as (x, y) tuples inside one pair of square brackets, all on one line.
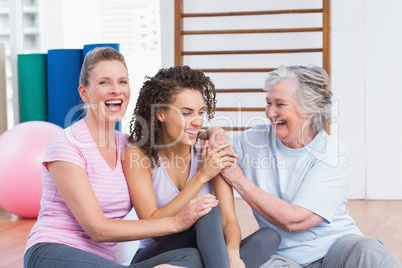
[(63, 72), (89, 47)]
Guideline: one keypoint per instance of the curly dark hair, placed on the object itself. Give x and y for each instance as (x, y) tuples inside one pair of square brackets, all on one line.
[(145, 130)]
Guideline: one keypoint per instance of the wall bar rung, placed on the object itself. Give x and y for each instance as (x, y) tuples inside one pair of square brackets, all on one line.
[(266, 51), (251, 13), (253, 31)]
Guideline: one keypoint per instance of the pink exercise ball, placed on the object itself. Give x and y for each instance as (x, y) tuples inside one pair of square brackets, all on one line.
[(22, 149)]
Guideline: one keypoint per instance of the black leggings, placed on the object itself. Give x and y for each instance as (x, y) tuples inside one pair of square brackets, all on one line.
[(206, 235)]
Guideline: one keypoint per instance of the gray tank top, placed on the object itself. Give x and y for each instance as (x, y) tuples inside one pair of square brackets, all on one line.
[(165, 190)]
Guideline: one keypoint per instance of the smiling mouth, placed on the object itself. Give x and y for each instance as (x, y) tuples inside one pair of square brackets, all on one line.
[(114, 105), (191, 132), (279, 123)]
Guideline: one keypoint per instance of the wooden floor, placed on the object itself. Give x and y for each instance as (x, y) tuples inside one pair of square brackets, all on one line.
[(380, 219)]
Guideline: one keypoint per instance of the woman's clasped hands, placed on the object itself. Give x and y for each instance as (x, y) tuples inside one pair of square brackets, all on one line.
[(213, 160)]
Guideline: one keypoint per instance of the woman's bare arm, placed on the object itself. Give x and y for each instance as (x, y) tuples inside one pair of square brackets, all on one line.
[(230, 225), (73, 184)]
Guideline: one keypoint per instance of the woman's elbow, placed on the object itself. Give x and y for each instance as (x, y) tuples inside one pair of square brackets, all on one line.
[(298, 226), (291, 228), (97, 236), (97, 232), (298, 220), (291, 224)]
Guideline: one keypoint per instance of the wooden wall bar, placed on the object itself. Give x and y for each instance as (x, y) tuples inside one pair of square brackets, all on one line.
[(232, 72)]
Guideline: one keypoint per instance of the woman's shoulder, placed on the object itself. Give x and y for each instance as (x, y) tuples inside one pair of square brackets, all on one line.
[(133, 149), (328, 149), (79, 135), (333, 143), (67, 146), (65, 137), (134, 154)]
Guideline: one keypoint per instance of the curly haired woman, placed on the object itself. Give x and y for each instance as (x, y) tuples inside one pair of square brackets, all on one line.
[(167, 167)]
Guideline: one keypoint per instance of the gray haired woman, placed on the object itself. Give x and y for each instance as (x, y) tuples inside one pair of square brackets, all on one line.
[(295, 176)]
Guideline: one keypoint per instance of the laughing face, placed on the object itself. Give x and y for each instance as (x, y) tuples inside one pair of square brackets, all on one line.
[(289, 125), (108, 91), (183, 119)]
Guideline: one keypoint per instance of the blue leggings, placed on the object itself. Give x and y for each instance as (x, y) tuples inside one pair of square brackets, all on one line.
[(51, 255), (206, 235)]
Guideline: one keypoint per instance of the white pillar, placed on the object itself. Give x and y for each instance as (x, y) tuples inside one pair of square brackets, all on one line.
[(16, 47)]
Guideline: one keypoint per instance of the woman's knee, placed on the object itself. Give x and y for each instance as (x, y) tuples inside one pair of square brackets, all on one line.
[(266, 235), (271, 234), (214, 217), (368, 243), (265, 240), (359, 251), (357, 243)]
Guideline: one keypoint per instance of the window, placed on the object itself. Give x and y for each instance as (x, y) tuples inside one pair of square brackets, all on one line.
[(30, 20), (5, 39), (30, 3), (31, 42), (4, 22), (3, 3)]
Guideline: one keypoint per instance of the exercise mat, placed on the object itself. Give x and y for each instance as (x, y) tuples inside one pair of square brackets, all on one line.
[(89, 47), (3, 90), (64, 102), (32, 87)]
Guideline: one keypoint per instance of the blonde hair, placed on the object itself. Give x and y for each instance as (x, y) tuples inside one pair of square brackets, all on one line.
[(95, 56)]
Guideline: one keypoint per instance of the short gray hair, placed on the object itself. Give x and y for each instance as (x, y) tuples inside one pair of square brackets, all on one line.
[(312, 88)]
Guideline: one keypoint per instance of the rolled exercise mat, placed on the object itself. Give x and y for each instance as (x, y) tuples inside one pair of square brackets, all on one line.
[(63, 73), (32, 87), (88, 48), (3, 90)]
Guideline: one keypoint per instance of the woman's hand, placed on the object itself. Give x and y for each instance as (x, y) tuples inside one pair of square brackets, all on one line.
[(234, 259), (193, 210), (214, 160), (215, 135), (232, 174)]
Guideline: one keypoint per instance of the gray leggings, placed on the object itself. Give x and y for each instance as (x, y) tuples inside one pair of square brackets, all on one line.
[(350, 251), (359, 252), (51, 255), (206, 235)]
